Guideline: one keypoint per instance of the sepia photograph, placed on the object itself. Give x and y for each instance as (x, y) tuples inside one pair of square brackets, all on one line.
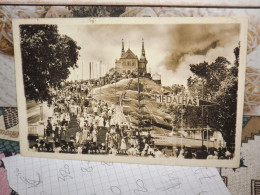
[(136, 90)]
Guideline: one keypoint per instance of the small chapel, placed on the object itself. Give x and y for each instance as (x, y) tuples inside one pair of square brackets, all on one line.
[(128, 62)]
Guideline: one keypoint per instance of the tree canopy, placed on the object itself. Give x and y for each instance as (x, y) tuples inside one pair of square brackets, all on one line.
[(46, 59), (218, 83)]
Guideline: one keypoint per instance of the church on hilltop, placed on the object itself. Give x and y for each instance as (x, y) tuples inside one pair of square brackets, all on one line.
[(128, 61)]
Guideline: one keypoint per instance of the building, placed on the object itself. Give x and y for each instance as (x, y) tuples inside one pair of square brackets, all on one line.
[(191, 138), (156, 78), (129, 62)]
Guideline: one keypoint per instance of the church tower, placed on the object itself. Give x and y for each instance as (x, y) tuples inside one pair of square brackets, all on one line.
[(142, 62), (123, 48)]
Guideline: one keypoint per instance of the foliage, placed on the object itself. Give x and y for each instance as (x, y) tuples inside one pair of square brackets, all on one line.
[(223, 116), (177, 89), (217, 82), (46, 59), (208, 77)]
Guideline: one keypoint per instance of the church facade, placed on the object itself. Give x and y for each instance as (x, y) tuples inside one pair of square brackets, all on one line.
[(129, 62)]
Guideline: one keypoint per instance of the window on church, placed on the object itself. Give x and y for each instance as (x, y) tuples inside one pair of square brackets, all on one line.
[(133, 64), (128, 63), (123, 63)]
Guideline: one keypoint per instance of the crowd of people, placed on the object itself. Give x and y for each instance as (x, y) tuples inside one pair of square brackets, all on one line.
[(81, 124), (84, 125), (203, 153)]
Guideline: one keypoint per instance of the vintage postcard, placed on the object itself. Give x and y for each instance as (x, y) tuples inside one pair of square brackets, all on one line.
[(135, 90)]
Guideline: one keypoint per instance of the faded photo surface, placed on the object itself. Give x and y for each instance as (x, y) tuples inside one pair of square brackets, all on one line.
[(157, 91)]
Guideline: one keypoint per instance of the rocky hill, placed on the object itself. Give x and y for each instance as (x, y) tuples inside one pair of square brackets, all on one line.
[(125, 95)]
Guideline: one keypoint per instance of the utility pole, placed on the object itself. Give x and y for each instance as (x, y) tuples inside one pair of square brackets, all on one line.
[(202, 114), (207, 128), (82, 71), (182, 112), (100, 80), (74, 75), (41, 112), (90, 77), (138, 80), (115, 82), (89, 71)]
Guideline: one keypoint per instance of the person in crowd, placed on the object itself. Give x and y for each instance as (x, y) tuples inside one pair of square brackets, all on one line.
[(112, 129), (123, 146), (131, 151), (79, 150), (94, 135), (95, 110), (113, 151), (181, 154), (67, 118), (77, 136), (57, 148), (150, 151), (221, 153), (202, 153), (48, 128), (81, 122), (71, 146), (212, 154), (109, 113), (158, 153), (187, 152), (193, 153), (103, 148), (100, 130), (85, 133), (227, 154)]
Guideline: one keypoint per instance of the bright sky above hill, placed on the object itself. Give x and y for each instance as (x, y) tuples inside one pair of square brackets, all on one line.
[(169, 48)]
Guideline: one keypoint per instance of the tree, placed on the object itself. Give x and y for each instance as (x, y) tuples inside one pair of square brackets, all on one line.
[(217, 82), (178, 89), (208, 77), (224, 115), (46, 59)]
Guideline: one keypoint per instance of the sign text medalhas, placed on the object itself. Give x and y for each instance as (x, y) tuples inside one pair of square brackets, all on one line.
[(176, 100)]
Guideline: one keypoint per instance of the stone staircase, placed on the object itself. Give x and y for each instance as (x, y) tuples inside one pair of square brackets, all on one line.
[(73, 127), (127, 87)]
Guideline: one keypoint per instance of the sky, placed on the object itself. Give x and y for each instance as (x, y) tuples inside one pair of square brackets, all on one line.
[(169, 48)]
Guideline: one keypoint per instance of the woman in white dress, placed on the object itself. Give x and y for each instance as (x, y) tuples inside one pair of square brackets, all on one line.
[(113, 130), (77, 136), (94, 135), (181, 155), (79, 150), (72, 110), (67, 118), (85, 134), (61, 117), (123, 146), (112, 121), (101, 122), (96, 120), (81, 122), (90, 120)]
